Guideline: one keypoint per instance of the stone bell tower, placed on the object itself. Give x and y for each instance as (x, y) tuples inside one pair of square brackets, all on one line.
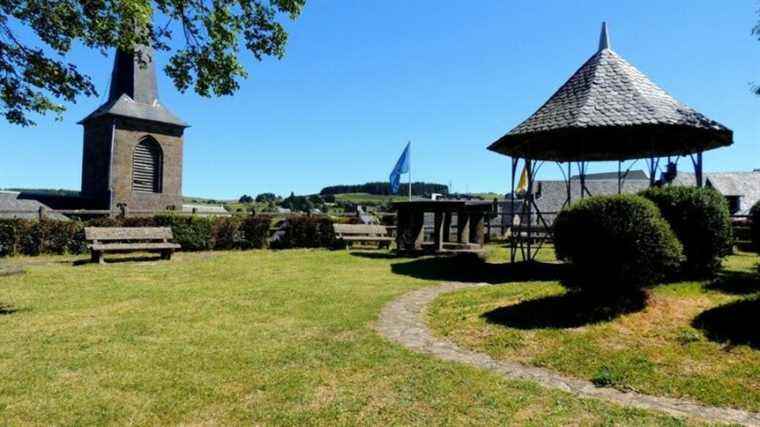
[(132, 144)]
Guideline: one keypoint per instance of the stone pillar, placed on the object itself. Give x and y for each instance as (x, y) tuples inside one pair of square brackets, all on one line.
[(477, 230), (447, 226), (438, 231), (418, 229), (403, 224), (463, 227)]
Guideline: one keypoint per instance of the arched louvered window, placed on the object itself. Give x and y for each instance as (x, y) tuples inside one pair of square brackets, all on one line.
[(147, 165)]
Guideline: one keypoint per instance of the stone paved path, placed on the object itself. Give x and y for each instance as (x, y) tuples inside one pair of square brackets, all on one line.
[(403, 321)]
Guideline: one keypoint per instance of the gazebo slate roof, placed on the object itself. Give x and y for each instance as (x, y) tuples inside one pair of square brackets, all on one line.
[(609, 110)]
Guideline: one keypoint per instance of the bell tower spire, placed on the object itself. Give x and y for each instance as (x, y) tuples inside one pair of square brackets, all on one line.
[(604, 38), (134, 75)]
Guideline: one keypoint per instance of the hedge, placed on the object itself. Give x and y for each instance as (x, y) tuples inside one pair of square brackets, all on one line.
[(701, 220), (306, 232), (615, 244), (34, 237), (754, 217)]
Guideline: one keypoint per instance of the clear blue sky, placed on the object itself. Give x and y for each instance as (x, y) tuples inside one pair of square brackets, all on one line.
[(362, 77)]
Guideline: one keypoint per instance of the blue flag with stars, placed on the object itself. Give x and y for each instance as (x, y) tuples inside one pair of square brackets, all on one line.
[(402, 167)]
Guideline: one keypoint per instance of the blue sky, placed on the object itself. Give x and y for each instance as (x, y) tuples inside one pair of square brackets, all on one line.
[(360, 78)]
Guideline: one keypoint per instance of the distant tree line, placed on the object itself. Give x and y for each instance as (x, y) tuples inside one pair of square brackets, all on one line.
[(383, 189)]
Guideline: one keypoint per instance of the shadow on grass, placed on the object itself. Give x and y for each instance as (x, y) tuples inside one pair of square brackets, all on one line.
[(569, 310), (470, 269), (119, 260), (736, 282), (7, 309), (735, 323)]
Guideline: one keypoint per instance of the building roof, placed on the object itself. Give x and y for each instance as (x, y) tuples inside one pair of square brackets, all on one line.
[(746, 185), (633, 174), (551, 195), (609, 110), (13, 207), (133, 92)]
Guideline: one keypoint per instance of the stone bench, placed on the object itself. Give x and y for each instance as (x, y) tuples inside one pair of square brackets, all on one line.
[(102, 240)]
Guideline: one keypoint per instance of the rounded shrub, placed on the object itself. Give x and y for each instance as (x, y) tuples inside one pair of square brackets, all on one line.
[(702, 222), (754, 217), (616, 244)]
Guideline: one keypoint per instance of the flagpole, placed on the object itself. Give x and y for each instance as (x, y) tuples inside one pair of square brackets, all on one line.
[(410, 171)]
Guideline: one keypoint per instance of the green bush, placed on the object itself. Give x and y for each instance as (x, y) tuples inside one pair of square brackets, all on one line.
[(58, 237), (9, 237), (255, 231), (616, 244), (702, 222), (754, 217), (33, 237), (193, 233), (226, 233), (306, 232)]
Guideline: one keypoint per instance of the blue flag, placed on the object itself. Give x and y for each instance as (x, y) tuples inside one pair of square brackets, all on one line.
[(402, 166)]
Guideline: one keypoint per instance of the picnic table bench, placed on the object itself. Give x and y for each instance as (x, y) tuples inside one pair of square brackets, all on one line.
[(363, 233), (103, 240)]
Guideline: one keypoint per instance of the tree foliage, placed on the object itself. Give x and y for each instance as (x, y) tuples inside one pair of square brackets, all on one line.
[(208, 36)]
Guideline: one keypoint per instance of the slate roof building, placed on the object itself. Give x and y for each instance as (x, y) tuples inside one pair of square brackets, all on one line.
[(741, 189), (11, 206), (133, 144), (551, 195)]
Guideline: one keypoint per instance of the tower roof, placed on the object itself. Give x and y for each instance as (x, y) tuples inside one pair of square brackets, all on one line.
[(609, 110), (134, 92)]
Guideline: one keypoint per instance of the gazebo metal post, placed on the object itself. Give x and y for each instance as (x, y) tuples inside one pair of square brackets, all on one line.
[(566, 179), (569, 182), (529, 205), (512, 240), (696, 160), (539, 215), (622, 176), (582, 177), (654, 164)]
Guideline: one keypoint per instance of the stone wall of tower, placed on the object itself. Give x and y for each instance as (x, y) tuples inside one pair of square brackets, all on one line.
[(96, 159), (98, 164), (128, 133)]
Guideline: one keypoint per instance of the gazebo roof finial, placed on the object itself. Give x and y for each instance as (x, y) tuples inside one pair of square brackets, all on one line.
[(604, 38)]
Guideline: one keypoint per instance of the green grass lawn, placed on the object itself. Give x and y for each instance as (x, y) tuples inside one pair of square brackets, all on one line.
[(692, 339), (258, 337)]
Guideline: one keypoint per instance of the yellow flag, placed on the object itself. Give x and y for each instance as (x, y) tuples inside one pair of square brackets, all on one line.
[(523, 185)]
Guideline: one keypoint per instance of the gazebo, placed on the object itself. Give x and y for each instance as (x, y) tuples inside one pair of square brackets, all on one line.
[(607, 111)]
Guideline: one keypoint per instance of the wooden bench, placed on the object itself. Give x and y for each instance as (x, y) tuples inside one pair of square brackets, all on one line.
[(103, 240), (537, 233), (363, 233)]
